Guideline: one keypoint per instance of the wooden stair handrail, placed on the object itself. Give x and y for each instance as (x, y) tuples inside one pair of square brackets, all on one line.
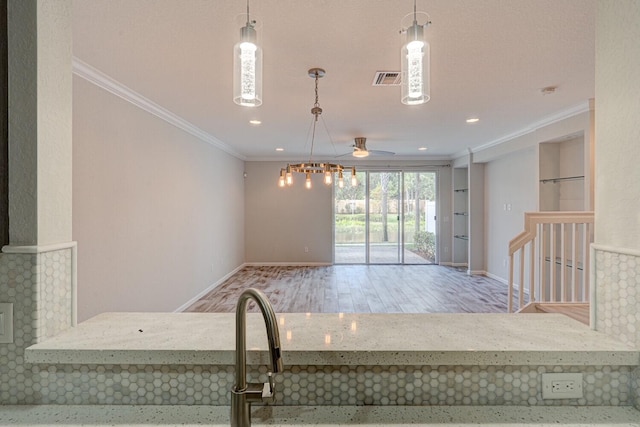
[(517, 244), (532, 219)]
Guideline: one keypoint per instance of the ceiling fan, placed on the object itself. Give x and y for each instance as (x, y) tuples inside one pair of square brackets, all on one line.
[(360, 149)]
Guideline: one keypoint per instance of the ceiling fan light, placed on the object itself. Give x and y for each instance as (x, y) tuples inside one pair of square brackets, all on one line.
[(360, 153)]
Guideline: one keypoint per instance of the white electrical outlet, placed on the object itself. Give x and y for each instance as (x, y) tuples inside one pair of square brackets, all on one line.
[(561, 386), (6, 323), (306, 249)]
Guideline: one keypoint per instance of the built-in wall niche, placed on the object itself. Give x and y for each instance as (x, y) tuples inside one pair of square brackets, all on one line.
[(562, 175), (460, 217)]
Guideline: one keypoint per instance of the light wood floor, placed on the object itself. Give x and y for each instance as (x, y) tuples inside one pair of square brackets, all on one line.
[(361, 289)]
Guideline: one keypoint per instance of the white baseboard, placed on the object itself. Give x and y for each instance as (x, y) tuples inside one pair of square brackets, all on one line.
[(458, 264), (287, 264), (193, 300), (498, 278), (476, 272)]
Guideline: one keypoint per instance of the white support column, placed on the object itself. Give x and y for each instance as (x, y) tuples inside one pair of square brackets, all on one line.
[(37, 268), (40, 101)]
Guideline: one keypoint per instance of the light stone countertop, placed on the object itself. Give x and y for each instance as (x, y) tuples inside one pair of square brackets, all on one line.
[(362, 416), (336, 339)]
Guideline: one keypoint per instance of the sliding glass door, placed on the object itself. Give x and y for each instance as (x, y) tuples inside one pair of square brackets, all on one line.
[(384, 218), (350, 222), (388, 218), (419, 218)]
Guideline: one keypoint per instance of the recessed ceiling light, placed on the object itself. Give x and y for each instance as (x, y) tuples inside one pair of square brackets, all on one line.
[(255, 122), (473, 120), (279, 149), (422, 148)]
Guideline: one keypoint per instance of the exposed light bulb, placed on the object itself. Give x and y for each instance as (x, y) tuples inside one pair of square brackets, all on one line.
[(340, 180), (327, 178), (354, 180), (288, 176), (307, 182)]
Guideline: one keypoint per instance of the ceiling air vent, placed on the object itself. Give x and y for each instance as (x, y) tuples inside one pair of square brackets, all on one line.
[(386, 78)]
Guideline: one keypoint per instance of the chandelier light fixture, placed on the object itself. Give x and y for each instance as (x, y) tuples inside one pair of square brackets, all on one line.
[(415, 60), (309, 168), (247, 66)]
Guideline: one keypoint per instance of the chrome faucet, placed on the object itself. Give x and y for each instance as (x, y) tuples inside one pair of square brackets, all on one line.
[(242, 393)]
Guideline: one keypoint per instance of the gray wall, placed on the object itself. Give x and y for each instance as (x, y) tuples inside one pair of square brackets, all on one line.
[(281, 222), (158, 214), (509, 180)]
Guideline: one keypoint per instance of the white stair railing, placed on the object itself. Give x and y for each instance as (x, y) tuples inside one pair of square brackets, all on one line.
[(551, 258)]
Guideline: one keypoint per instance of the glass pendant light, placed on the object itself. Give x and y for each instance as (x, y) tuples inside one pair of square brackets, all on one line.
[(247, 67), (308, 181), (415, 59)]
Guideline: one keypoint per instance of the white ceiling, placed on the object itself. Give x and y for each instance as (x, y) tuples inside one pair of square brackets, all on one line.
[(489, 58)]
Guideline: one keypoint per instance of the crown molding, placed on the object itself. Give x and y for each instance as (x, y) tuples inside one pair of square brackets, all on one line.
[(549, 120), (103, 81), (351, 161)]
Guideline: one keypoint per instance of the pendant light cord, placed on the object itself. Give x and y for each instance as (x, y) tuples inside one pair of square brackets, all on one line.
[(317, 103), (315, 110)]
